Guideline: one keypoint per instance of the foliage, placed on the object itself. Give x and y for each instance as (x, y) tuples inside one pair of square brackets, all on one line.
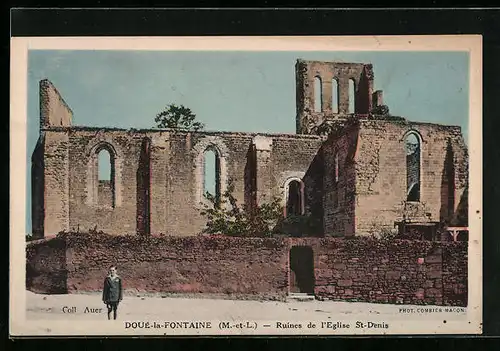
[(301, 225), (387, 234), (383, 233), (326, 128), (226, 216), (381, 110), (178, 117)]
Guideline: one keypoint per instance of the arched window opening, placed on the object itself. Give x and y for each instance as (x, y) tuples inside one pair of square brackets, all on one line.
[(211, 179), (105, 177), (412, 145), (352, 96), (104, 165), (335, 96), (210, 156), (294, 201), (318, 94)]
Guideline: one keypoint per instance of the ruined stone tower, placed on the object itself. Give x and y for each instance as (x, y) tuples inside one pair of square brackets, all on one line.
[(333, 91)]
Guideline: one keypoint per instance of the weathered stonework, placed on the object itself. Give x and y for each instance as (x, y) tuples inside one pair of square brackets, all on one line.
[(357, 269), (353, 179)]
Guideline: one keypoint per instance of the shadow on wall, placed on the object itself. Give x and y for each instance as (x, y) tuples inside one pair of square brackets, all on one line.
[(251, 178), (143, 177), (462, 212), (449, 213), (313, 193), (447, 187), (362, 94), (37, 189)]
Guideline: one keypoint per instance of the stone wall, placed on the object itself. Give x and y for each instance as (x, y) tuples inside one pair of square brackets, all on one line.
[(56, 177), (339, 182), (381, 188), (455, 272), (357, 269), (194, 265), (54, 112), (370, 192), (76, 200), (38, 190), (46, 270), (396, 272)]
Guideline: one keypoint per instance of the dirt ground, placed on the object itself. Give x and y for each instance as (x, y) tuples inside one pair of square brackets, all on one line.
[(90, 307)]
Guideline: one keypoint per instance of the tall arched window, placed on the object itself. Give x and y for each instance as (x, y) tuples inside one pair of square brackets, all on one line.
[(105, 177), (318, 94), (294, 198), (335, 96), (211, 176), (210, 155), (104, 173), (412, 145), (104, 162), (352, 96)]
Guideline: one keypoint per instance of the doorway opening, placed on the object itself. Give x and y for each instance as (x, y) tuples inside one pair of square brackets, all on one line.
[(301, 270)]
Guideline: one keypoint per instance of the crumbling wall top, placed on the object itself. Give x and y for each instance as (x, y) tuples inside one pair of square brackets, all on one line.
[(54, 111)]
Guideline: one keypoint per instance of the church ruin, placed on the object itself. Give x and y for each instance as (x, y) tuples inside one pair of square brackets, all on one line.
[(350, 165)]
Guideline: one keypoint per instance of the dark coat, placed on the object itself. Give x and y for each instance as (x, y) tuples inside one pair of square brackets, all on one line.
[(112, 291)]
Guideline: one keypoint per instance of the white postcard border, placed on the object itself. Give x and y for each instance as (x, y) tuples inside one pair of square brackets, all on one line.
[(20, 326)]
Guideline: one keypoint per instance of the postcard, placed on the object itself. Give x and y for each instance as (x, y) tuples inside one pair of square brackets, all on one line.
[(224, 186)]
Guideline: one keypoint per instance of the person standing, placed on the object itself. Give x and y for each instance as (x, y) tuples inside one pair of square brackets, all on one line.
[(112, 292)]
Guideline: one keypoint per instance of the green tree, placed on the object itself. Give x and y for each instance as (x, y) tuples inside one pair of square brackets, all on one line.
[(178, 117), (226, 216)]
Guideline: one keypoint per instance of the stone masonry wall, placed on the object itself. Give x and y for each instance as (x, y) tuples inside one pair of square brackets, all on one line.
[(195, 265), (357, 269), (339, 196), (54, 112), (56, 177), (381, 172), (86, 211), (38, 190), (291, 158), (46, 270), (396, 272), (455, 270), (176, 176)]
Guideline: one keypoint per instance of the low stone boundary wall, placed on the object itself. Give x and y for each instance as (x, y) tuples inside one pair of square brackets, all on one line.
[(396, 271), (358, 269), (210, 265)]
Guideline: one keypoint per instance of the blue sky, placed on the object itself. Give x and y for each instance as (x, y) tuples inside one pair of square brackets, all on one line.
[(233, 91)]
